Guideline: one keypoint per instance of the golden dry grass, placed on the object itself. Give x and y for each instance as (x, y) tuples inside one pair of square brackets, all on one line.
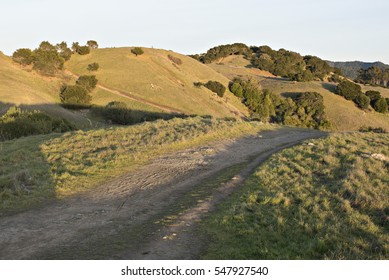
[(26, 88), (155, 78)]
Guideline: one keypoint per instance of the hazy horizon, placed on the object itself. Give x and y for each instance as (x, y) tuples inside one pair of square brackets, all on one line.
[(342, 30)]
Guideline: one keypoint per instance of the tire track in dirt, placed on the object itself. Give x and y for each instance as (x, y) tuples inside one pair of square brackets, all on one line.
[(66, 228)]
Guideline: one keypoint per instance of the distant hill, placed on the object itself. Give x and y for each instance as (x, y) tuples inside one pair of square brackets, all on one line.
[(350, 68)]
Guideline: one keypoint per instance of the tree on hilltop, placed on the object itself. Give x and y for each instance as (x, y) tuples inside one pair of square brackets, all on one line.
[(92, 44), (137, 51)]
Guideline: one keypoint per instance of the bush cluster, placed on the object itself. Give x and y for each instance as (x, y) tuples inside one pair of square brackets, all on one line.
[(81, 50), (16, 123), (290, 64), (305, 109), (352, 91), (223, 51), (77, 96), (213, 86), (88, 82), (93, 66), (282, 63), (48, 59)]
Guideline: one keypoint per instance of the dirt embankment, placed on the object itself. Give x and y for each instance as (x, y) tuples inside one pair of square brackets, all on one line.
[(118, 219)]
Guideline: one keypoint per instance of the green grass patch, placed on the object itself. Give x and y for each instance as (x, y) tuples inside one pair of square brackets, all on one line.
[(326, 201), (59, 165)]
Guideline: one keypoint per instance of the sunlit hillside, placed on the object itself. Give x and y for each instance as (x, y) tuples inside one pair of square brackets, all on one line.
[(26, 88), (155, 80)]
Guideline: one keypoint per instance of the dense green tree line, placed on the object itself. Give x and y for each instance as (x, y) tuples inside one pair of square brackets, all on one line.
[(282, 63), (305, 109), (290, 64)]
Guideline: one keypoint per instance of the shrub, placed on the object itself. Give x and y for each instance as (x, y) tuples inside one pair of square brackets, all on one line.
[(335, 78), (348, 90), (75, 96), (137, 51), (93, 66), (223, 51), (88, 82), (75, 47), (117, 112), (176, 60), (64, 51), (236, 89), (374, 96), (47, 62), (304, 76), (83, 50), (16, 123), (23, 56), (92, 44), (198, 84), (362, 101), (381, 106), (216, 87), (47, 59)]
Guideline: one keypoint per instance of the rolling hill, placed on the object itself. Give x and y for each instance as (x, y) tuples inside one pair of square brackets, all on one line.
[(149, 83), (28, 89), (155, 81), (343, 114)]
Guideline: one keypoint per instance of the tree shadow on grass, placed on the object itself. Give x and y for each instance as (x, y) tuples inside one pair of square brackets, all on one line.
[(25, 174), (330, 87)]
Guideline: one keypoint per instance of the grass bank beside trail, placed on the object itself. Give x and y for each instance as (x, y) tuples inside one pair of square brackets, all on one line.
[(39, 168), (329, 200)]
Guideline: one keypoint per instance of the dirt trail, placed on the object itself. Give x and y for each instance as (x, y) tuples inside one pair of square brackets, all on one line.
[(89, 225)]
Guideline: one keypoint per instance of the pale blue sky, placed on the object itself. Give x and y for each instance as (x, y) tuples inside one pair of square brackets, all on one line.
[(336, 30)]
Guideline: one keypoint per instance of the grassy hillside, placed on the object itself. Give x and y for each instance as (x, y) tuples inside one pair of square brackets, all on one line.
[(325, 200), (22, 87), (156, 79), (343, 114), (37, 168)]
